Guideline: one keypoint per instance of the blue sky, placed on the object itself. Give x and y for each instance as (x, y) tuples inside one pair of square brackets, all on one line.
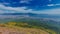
[(32, 6)]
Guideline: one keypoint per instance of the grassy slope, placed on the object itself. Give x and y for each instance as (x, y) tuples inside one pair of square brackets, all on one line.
[(33, 30), (32, 24)]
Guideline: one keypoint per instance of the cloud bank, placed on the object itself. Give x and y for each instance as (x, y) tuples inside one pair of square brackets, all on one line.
[(4, 9), (27, 6)]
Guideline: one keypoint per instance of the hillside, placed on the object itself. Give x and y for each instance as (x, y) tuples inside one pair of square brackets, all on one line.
[(23, 28), (49, 25), (7, 30)]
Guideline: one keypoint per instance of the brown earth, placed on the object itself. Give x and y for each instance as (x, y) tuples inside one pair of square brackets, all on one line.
[(10, 30)]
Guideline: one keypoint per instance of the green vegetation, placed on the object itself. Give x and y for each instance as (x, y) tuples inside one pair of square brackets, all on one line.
[(32, 24)]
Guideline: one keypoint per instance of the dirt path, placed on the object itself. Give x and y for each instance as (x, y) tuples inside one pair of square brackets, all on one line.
[(7, 30)]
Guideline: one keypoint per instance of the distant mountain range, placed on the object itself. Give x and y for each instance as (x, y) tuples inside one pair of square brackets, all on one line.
[(33, 15), (52, 20)]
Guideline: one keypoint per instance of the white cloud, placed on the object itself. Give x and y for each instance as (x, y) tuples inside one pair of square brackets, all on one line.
[(53, 5), (4, 9), (50, 5), (25, 1), (13, 10)]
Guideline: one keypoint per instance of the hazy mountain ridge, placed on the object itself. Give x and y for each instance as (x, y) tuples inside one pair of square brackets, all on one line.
[(29, 16), (33, 15), (44, 20)]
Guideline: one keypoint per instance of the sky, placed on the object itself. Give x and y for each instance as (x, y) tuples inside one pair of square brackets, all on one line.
[(30, 6)]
